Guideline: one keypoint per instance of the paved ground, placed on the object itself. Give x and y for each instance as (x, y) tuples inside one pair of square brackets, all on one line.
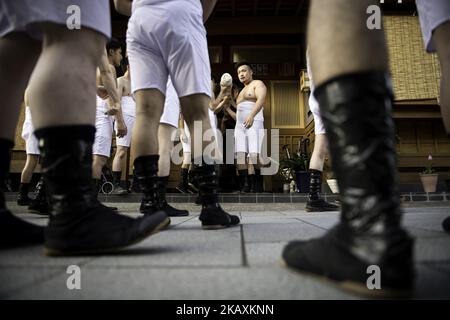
[(186, 262)]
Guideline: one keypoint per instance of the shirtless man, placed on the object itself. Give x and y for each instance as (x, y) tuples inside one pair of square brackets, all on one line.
[(36, 42), (104, 122), (249, 132), (128, 107)]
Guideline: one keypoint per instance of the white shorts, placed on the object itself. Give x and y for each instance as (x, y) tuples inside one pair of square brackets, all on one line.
[(249, 140), (22, 15), (319, 128), (171, 113), (31, 142), (125, 141), (129, 114), (432, 14), (103, 130), (165, 39)]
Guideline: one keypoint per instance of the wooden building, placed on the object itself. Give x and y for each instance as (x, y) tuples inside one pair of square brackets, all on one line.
[(271, 34)]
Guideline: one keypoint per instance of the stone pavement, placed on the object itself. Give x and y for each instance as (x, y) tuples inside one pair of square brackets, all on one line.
[(186, 262)]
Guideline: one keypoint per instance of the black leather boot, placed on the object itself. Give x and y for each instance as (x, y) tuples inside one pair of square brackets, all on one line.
[(212, 215), (315, 203), (39, 204), (22, 197), (146, 174), (356, 111), (243, 181), (117, 188), (78, 223), (171, 211), (183, 184), (14, 232)]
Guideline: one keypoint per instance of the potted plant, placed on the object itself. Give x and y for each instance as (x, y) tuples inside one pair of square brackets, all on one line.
[(429, 177), (291, 167)]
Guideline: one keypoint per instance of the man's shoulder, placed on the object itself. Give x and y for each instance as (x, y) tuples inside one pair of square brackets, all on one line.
[(258, 83)]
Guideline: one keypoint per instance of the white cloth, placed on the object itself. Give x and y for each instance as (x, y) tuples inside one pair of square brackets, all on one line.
[(31, 142), (168, 38), (125, 141), (248, 140), (171, 113), (244, 108), (103, 130), (432, 14), (22, 15), (319, 128), (128, 106)]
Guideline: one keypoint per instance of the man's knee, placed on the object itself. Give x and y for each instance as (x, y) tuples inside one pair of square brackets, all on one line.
[(121, 152)]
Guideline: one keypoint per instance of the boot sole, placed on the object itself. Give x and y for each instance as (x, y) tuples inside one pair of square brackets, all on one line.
[(38, 212), (55, 253), (320, 210), (217, 226), (355, 288)]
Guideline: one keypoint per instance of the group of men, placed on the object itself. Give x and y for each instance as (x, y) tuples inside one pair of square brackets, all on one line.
[(168, 38)]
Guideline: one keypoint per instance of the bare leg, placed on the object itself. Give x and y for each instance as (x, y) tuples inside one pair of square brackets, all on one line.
[(63, 91), (340, 43), (28, 169), (98, 162), (441, 40), (241, 160), (149, 108), (165, 132), (119, 158), (18, 56), (53, 107), (319, 153), (195, 109)]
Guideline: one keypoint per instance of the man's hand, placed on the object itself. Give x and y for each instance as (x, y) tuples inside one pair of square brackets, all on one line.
[(249, 121), (121, 129)]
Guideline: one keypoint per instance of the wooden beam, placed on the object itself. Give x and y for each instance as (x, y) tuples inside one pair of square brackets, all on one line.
[(299, 8), (284, 25), (277, 8)]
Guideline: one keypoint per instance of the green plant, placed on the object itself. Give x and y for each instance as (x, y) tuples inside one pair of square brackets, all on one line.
[(429, 167), (298, 162)]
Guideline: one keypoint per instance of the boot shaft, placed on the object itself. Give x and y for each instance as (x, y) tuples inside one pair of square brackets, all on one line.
[(315, 184), (146, 173), (66, 154), (206, 178), (356, 113)]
